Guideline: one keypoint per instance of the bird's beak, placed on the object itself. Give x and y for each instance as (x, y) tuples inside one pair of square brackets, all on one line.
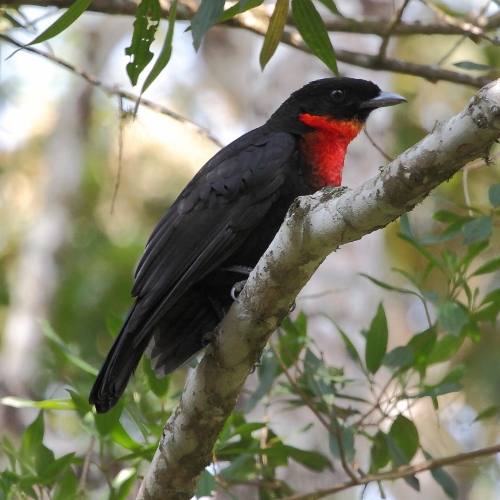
[(382, 100)]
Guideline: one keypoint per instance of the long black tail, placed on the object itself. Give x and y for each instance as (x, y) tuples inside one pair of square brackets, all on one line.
[(173, 341)]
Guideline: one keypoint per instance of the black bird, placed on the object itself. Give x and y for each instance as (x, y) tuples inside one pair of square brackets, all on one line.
[(224, 220)]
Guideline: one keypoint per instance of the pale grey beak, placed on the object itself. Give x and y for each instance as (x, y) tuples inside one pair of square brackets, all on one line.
[(382, 100)]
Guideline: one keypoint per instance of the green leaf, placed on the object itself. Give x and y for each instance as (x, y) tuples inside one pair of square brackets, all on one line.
[(76, 9), (444, 349), (106, 422), (398, 459), (238, 8), (80, 403), (52, 335), (446, 482), (267, 375), (120, 436), (494, 195), (310, 459), (48, 404), (474, 66), (404, 223), (478, 229), (491, 411), (443, 479), (422, 250), (330, 5), (159, 386), (490, 307), (346, 440), (404, 433), (147, 20), (313, 31), (399, 357), (44, 458), (274, 31), (208, 13), (351, 348), (32, 438), (453, 316), (376, 341), (123, 482), (439, 389), (488, 267), (166, 50), (379, 452), (207, 485), (67, 487)]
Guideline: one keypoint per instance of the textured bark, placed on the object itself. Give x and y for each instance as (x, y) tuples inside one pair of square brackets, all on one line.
[(315, 226)]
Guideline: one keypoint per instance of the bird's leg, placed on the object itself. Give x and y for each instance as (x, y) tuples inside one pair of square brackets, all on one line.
[(238, 286)]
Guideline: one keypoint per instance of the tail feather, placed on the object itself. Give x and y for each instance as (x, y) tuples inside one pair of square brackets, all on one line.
[(173, 342)]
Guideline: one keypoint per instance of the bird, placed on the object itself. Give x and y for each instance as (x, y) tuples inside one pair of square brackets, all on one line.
[(222, 222)]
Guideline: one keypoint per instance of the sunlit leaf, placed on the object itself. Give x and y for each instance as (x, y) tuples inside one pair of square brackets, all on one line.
[(312, 29), (147, 20), (166, 50), (274, 31), (47, 404), (376, 341), (488, 267), (76, 9), (238, 8)]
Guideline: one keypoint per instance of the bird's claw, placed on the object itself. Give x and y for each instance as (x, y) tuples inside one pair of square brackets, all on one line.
[(206, 339), (236, 290), (256, 365)]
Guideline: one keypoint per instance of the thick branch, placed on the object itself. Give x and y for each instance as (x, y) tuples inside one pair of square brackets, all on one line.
[(315, 226)]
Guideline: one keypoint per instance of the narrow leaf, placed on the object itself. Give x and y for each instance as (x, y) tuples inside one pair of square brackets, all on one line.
[(274, 31), (147, 19), (313, 31), (48, 404), (470, 65), (376, 341), (330, 5), (206, 17), (488, 267), (166, 50), (492, 411), (238, 8), (76, 9)]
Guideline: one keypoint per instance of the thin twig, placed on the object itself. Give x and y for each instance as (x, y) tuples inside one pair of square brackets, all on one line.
[(122, 119), (114, 91), (396, 19), (86, 465), (376, 146), (403, 471)]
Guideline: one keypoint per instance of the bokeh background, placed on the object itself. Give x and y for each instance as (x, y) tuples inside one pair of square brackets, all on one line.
[(68, 248)]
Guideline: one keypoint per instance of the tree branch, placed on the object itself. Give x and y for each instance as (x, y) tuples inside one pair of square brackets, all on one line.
[(113, 90), (257, 20), (403, 471), (314, 227)]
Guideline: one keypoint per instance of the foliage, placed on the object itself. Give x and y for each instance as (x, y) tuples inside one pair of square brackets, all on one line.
[(293, 374)]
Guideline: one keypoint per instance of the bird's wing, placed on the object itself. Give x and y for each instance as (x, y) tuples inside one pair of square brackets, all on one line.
[(228, 197)]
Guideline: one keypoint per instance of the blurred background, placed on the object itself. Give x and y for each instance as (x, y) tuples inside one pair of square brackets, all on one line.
[(69, 244)]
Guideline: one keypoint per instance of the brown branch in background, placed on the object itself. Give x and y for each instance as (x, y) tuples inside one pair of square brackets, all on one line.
[(432, 73), (86, 466), (114, 91), (257, 20), (400, 472), (376, 146), (396, 19)]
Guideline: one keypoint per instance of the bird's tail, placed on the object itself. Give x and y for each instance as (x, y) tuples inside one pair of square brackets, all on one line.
[(118, 367)]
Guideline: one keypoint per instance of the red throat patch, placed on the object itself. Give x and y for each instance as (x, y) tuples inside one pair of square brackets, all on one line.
[(324, 149)]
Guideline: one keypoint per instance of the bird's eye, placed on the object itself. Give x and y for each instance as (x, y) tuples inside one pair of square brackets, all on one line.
[(338, 95)]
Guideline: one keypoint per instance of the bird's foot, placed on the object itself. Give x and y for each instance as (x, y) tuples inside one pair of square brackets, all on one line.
[(256, 365), (292, 307), (236, 290), (238, 269)]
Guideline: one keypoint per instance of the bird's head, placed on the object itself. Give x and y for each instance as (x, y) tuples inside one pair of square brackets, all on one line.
[(339, 99)]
